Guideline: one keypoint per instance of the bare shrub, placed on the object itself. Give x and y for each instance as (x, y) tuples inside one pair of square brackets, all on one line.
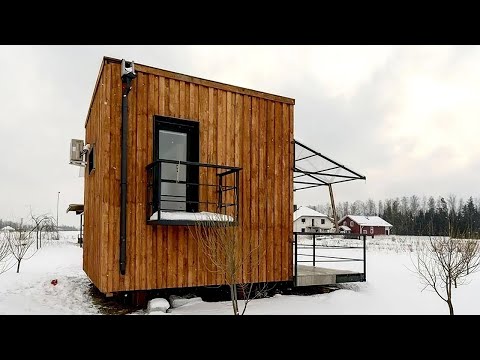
[(444, 262), (19, 242), (223, 249)]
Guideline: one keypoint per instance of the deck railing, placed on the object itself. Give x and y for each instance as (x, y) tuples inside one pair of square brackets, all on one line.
[(191, 187), (313, 242)]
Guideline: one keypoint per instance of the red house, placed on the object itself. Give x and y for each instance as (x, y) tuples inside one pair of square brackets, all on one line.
[(371, 225)]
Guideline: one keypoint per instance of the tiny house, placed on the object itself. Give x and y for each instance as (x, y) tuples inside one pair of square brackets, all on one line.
[(163, 149)]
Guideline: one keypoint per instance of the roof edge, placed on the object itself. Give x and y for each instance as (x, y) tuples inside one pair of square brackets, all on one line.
[(200, 81)]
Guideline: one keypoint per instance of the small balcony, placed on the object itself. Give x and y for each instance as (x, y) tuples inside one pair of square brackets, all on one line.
[(185, 193)]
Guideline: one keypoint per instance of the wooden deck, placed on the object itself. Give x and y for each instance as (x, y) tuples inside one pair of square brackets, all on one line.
[(309, 276)]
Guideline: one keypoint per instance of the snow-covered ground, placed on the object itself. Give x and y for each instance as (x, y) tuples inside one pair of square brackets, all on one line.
[(391, 287)]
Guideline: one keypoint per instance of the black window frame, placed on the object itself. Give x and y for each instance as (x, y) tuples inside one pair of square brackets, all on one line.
[(91, 160), (322, 221), (303, 220), (192, 129)]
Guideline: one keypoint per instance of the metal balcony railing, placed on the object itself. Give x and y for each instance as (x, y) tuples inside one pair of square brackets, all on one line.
[(184, 192)]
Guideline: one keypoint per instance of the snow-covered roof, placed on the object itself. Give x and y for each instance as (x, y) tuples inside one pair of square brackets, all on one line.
[(8, 228), (367, 220), (344, 227), (306, 211)]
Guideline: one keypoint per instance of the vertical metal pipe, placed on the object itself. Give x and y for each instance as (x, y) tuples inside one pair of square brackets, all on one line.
[(126, 87), (123, 183), (237, 201), (365, 257), (313, 236), (296, 259), (159, 185)]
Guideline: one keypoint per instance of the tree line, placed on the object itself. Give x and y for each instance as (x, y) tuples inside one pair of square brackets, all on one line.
[(29, 226), (413, 215)]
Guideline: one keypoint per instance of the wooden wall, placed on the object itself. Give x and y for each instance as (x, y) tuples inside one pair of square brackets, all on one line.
[(238, 127)]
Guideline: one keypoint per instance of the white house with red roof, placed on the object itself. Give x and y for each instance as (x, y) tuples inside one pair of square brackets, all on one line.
[(306, 219)]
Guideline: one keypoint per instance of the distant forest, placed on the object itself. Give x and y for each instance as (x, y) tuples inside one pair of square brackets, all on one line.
[(418, 216), (16, 225)]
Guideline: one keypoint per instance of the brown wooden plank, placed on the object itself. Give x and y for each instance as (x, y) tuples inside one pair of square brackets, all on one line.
[(115, 168), (209, 275), (189, 260), (182, 102), (166, 98), (150, 236), (278, 194), (203, 125), (238, 159), (161, 239), (171, 243), (187, 100), (263, 192), (153, 110), (270, 220), (229, 146), (97, 178), (191, 98), (245, 163), (132, 250), (257, 156), (196, 272), (142, 134), (286, 236), (107, 258), (221, 152), (174, 98), (173, 250), (140, 183), (180, 245)]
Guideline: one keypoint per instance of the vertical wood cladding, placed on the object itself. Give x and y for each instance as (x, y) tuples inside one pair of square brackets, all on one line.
[(238, 127)]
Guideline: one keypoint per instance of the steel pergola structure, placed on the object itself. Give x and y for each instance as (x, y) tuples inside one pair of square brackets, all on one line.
[(312, 169), (315, 169)]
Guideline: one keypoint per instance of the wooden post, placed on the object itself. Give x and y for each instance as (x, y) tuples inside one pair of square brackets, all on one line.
[(333, 207)]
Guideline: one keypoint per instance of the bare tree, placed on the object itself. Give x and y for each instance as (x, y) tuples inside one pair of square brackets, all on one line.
[(355, 207), (19, 242), (48, 230), (41, 223), (363, 207), (5, 255), (452, 203), (380, 208), (371, 207), (221, 246), (414, 204), (346, 208), (403, 205), (443, 262)]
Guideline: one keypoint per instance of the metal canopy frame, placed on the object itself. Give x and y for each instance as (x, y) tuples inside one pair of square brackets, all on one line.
[(313, 175)]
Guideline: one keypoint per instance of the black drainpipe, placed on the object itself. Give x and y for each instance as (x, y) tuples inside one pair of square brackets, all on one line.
[(128, 74)]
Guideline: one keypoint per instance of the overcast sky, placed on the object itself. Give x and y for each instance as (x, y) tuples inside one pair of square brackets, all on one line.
[(407, 117)]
